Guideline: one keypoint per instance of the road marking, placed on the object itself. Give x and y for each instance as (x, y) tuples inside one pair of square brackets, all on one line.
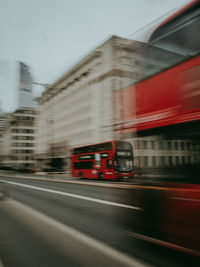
[(79, 247), (105, 202), (164, 243)]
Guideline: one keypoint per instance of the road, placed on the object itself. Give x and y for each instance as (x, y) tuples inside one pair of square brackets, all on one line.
[(74, 223)]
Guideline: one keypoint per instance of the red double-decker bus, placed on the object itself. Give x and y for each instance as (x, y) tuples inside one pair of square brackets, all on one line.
[(166, 123), (167, 92), (107, 160)]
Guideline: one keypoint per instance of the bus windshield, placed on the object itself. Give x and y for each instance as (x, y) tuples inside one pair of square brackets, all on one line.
[(123, 157)]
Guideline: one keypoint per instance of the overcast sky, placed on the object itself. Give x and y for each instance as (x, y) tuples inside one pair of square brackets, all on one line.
[(52, 35)]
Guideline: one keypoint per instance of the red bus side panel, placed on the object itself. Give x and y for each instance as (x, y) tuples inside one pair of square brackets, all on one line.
[(170, 97)]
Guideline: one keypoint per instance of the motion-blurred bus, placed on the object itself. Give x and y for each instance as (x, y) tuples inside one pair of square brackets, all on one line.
[(165, 123), (108, 160)]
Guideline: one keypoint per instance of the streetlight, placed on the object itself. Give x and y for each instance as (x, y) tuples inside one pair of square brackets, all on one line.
[(42, 84)]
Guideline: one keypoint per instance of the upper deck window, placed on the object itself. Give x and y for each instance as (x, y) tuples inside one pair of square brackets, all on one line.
[(93, 148), (120, 145), (170, 48)]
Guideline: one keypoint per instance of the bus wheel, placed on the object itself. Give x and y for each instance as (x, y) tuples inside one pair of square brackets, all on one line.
[(80, 175), (101, 176)]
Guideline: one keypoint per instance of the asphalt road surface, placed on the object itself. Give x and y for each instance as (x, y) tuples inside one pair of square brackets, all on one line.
[(80, 223)]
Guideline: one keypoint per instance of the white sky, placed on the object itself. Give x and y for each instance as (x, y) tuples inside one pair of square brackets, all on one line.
[(52, 35)]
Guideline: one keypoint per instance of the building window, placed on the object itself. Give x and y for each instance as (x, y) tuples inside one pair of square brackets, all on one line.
[(169, 145), (145, 161), (188, 146), (170, 161), (182, 145), (162, 161), (176, 145), (153, 161), (145, 144), (138, 144), (153, 144), (160, 145)]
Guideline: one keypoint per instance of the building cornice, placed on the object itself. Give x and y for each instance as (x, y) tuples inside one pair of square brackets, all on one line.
[(56, 87), (112, 73)]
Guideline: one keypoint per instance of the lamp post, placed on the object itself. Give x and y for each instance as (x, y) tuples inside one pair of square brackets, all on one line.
[(42, 84)]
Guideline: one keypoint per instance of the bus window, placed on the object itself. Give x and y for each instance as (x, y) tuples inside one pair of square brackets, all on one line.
[(97, 161), (83, 165), (109, 164), (173, 47)]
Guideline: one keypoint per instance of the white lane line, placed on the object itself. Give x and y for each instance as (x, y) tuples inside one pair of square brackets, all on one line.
[(76, 196), (83, 249)]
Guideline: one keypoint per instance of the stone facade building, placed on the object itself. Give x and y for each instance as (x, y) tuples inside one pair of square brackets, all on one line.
[(2, 125), (19, 139), (78, 108)]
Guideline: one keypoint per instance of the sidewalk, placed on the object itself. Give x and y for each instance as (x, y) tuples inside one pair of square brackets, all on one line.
[(64, 175), (59, 175)]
